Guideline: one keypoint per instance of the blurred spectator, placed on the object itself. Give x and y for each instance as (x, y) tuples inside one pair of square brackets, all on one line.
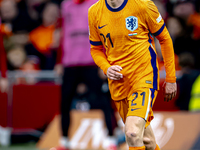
[(16, 57), (79, 67), (187, 11), (18, 19), (186, 81), (18, 60), (183, 36), (16, 25), (175, 27), (161, 8), (3, 66), (9, 10), (184, 9), (35, 7), (194, 20), (46, 38)]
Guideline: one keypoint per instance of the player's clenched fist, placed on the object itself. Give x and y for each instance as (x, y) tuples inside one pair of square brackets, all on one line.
[(113, 72)]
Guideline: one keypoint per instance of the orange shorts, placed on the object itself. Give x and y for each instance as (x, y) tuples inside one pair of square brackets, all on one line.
[(139, 104)]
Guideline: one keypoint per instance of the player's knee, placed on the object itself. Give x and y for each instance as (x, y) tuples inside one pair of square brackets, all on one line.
[(149, 143), (133, 138)]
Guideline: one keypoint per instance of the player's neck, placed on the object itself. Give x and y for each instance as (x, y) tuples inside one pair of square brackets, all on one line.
[(115, 3)]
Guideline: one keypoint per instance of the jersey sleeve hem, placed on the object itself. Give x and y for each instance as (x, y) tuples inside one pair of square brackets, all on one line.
[(171, 80), (159, 31), (96, 43)]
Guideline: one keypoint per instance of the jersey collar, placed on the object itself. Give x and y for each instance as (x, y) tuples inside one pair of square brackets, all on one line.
[(116, 9)]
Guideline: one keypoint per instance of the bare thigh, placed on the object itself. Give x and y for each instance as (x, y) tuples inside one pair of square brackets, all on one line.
[(134, 130)]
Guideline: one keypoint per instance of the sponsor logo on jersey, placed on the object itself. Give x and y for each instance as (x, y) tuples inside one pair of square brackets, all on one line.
[(99, 27), (131, 23), (135, 109)]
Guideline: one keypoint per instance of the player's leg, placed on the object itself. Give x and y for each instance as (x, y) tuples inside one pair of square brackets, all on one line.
[(134, 126), (149, 139), (134, 130), (139, 116)]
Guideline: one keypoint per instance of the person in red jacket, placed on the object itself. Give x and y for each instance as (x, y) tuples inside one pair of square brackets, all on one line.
[(3, 67)]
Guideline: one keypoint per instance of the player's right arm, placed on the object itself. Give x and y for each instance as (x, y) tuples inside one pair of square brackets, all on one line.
[(96, 49)]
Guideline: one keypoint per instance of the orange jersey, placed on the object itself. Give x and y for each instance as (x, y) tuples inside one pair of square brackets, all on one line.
[(126, 33)]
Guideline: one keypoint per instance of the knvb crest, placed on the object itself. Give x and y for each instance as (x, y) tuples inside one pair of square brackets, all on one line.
[(131, 23)]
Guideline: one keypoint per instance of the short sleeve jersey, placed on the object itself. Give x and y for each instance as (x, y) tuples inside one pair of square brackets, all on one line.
[(126, 33)]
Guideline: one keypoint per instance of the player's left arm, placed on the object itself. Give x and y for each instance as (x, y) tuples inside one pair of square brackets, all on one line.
[(167, 50), (157, 26)]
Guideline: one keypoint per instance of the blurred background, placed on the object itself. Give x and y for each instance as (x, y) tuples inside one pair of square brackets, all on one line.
[(31, 77)]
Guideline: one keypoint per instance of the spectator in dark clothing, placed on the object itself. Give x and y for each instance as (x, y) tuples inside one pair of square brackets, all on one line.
[(185, 82), (16, 14), (45, 38), (187, 40)]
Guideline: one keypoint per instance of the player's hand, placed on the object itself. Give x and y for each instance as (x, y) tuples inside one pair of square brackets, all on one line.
[(170, 90), (113, 72)]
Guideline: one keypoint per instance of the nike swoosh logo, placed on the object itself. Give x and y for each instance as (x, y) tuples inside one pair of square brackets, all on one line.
[(135, 109), (102, 26)]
